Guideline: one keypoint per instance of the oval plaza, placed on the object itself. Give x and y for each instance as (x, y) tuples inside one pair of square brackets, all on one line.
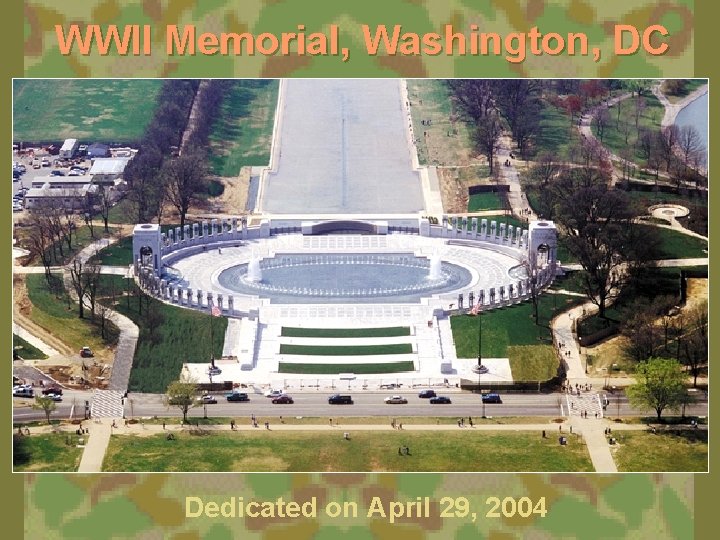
[(346, 234)]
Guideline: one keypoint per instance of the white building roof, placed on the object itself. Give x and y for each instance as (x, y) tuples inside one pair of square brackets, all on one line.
[(108, 165)]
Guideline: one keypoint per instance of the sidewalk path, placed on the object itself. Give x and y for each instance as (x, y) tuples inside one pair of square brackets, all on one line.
[(673, 109), (96, 445), (516, 196)]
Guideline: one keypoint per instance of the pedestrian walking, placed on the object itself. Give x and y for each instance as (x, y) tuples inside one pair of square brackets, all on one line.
[(330, 422), (267, 425), (163, 425), (470, 421), (400, 426)]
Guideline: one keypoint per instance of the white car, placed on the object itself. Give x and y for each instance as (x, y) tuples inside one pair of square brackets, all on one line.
[(396, 400), (274, 393)]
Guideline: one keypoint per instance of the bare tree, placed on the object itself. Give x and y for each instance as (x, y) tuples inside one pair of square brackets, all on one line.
[(667, 143), (79, 284), (487, 137), (695, 340), (689, 144), (185, 178), (602, 119), (106, 198), (638, 110), (91, 277), (40, 242), (475, 97)]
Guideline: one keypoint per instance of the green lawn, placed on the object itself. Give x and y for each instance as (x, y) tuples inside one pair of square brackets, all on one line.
[(505, 327), (262, 450), (448, 141), (390, 331), (645, 199), (174, 337), (679, 451), (556, 135), (533, 362), (118, 254), (27, 351), (614, 138), (486, 201), (676, 245), (52, 311), (81, 238), (107, 110), (44, 453), (346, 350), (242, 134), (333, 369)]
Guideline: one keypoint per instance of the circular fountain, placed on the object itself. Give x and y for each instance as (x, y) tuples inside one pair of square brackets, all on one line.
[(339, 278)]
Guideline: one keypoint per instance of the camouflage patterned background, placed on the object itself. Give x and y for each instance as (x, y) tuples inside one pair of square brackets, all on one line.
[(117, 506), (596, 19), (147, 507)]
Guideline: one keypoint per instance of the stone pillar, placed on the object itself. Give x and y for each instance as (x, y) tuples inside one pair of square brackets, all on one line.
[(481, 297), (492, 295), (231, 305), (163, 241), (195, 232), (171, 236), (460, 301), (188, 297), (509, 240), (209, 301), (233, 227), (502, 233), (474, 226), (199, 298), (178, 236), (204, 229), (483, 227), (220, 301), (213, 227), (493, 230), (471, 299)]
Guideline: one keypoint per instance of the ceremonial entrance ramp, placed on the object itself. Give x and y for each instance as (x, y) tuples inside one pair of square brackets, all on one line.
[(342, 147)]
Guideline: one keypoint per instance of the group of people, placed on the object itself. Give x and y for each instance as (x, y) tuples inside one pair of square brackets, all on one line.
[(461, 422)]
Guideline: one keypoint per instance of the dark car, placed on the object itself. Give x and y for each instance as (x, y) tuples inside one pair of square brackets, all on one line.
[(283, 400), (57, 173), (427, 394), (52, 390), (440, 400), (237, 396), (337, 399), (491, 398)]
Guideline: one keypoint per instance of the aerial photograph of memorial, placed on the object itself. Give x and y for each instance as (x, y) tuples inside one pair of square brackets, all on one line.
[(360, 275)]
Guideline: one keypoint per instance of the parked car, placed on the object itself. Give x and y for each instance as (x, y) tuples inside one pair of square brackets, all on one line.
[(75, 172), (283, 399), (273, 393), (214, 370), (52, 390), (237, 396), (57, 172), (337, 399), (86, 352), (207, 399), (440, 400), (427, 394), (491, 398), (17, 207), (23, 391), (395, 400), (54, 397)]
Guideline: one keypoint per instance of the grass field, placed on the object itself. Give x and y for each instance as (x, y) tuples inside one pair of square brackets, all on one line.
[(556, 134), (242, 135), (118, 254), (532, 362), (42, 453), (485, 201), (448, 139), (676, 245), (464, 450), (614, 139), (390, 331), (52, 312), (174, 337), (346, 350), (506, 327), (357, 369), (681, 451), (107, 110), (26, 351)]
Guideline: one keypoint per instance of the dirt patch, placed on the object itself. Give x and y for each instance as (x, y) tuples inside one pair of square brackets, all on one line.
[(605, 354), (697, 291), (260, 463)]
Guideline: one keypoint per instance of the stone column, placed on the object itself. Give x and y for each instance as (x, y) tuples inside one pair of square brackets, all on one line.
[(231, 305), (204, 229), (209, 300), (199, 298)]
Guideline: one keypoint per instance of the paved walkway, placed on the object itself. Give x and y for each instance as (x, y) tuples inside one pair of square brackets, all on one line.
[(516, 196), (673, 109), (96, 445)]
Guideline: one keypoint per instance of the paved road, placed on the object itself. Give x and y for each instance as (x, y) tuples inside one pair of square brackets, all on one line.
[(371, 404)]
